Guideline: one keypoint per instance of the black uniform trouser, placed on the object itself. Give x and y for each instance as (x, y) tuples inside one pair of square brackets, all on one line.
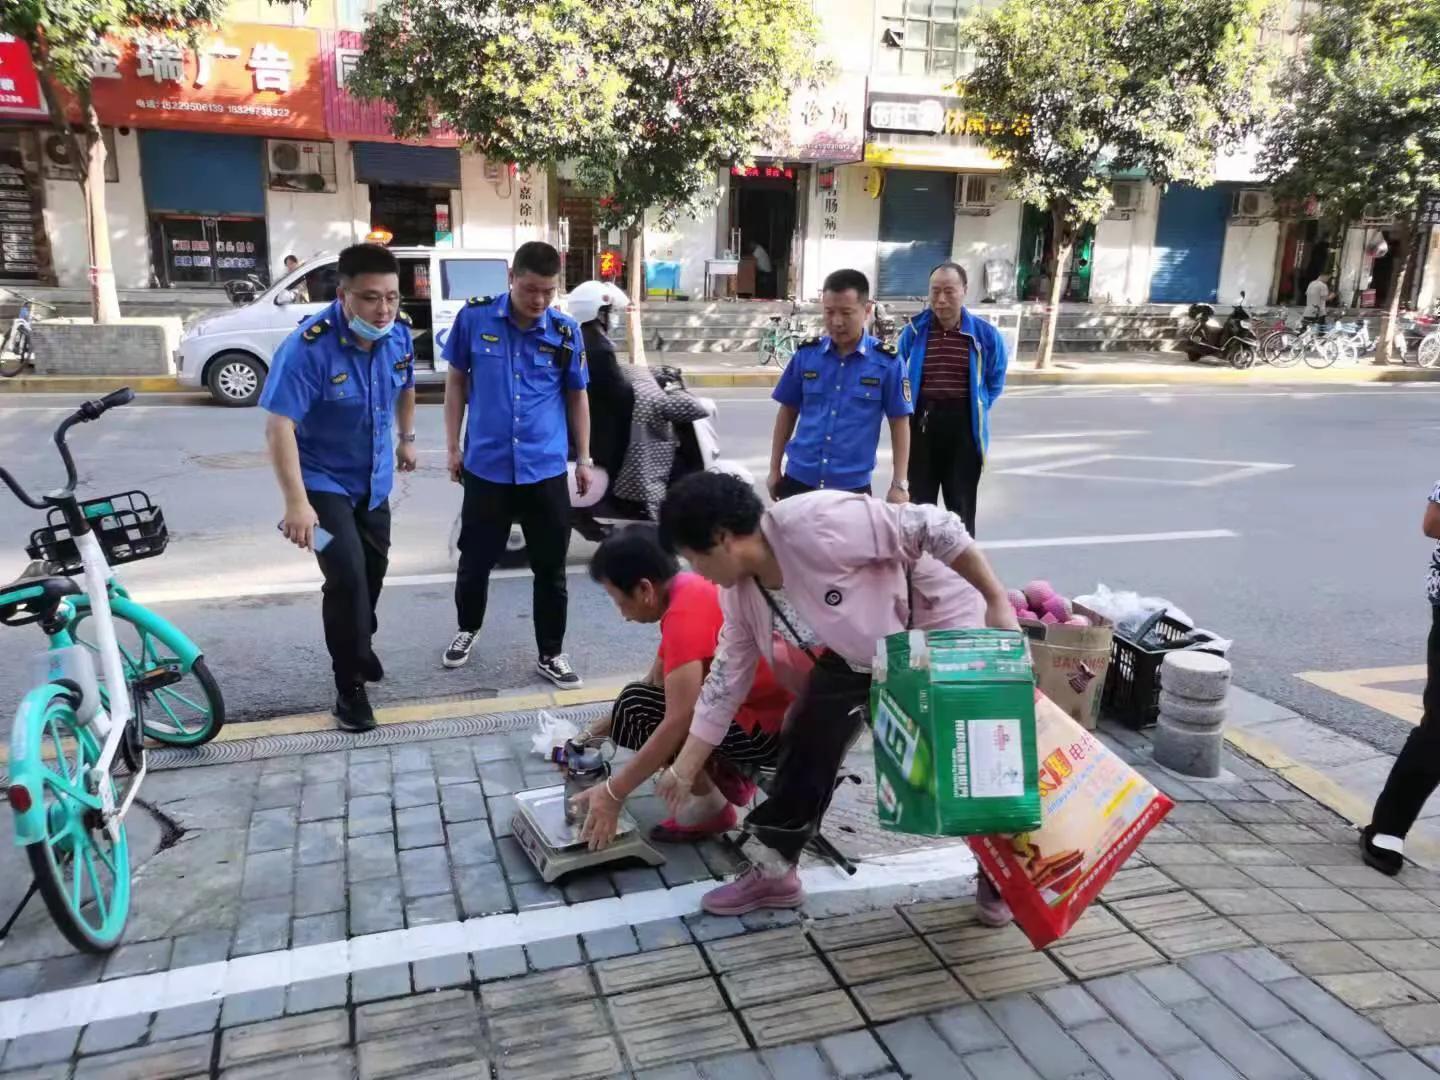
[(543, 511), (831, 712), (789, 486), (1416, 772), (944, 456), (354, 565)]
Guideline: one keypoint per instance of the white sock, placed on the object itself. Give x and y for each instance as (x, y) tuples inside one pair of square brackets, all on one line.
[(1388, 843), (699, 809), (771, 863)]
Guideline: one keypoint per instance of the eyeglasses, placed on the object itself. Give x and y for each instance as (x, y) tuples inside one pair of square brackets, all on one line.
[(375, 297)]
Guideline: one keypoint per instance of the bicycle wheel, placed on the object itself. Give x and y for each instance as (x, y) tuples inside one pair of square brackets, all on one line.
[(767, 348), (82, 873), (180, 704), (14, 353), (1429, 351), (1321, 353)]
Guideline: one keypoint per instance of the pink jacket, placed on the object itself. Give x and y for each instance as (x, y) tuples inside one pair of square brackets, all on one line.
[(843, 558)]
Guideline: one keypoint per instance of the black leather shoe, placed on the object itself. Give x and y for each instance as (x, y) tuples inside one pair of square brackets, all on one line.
[(352, 709), (372, 669), (1382, 859)]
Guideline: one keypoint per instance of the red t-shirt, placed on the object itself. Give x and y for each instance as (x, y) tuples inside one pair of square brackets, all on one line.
[(690, 631)]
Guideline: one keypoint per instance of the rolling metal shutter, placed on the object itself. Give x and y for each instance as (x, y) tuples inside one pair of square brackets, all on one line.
[(187, 172), (917, 229), (1189, 244), (407, 166)]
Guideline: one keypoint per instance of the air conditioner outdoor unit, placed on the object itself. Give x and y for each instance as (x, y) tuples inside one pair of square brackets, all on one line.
[(977, 194), (1252, 203), (301, 165)]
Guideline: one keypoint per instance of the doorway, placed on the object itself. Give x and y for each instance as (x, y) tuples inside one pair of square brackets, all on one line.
[(191, 249), (414, 216), (1309, 250), (764, 207), (1037, 259)]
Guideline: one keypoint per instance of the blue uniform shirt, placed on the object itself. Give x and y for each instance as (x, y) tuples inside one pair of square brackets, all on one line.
[(342, 400), (841, 401), (517, 426)]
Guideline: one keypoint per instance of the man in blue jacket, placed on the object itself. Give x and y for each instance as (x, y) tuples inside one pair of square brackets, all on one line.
[(956, 362)]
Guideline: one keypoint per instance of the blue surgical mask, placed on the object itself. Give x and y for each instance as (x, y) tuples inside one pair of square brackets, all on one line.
[(362, 329)]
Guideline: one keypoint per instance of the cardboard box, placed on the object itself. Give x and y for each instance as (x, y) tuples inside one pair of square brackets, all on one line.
[(1071, 663)]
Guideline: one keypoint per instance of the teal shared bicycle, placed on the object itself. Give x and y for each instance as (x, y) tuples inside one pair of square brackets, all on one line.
[(73, 731)]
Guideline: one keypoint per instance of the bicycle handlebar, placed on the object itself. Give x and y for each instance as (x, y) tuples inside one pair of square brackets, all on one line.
[(91, 410)]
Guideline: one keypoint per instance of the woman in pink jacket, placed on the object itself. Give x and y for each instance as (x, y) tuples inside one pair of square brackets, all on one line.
[(811, 585)]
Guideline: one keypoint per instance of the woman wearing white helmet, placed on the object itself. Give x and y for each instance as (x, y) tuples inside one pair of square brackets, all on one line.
[(612, 400)]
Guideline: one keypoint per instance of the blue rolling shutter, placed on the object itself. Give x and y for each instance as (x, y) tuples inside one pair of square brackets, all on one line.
[(917, 229), (187, 172), (408, 166), (1189, 244)]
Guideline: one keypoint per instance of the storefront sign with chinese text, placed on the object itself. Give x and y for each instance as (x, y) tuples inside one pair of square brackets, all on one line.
[(763, 172), (827, 123), (348, 117), (240, 77), (19, 86), (911, 123)]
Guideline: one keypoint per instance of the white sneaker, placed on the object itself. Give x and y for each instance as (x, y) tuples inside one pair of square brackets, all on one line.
[(458, 654), (558, 670)]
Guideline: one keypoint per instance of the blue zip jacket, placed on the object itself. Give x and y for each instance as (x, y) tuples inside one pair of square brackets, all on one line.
[(987, 365)]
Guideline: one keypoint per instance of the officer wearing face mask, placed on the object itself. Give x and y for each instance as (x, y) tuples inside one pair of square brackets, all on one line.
[(334, 385)]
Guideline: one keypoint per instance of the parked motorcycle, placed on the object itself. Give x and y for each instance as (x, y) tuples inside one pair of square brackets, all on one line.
[(884, 324), (1233, 341), (599, 512)]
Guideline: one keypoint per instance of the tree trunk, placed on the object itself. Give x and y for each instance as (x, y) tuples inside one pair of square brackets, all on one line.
[(1062, 242), (634, 326), (104, 301), (1404, 260)]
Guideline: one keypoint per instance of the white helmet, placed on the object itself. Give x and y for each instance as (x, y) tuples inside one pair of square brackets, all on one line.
[(585, 300)]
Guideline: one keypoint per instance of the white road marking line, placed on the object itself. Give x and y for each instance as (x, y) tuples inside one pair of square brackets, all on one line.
[(1067, 469), (246, 589), (919, 874)]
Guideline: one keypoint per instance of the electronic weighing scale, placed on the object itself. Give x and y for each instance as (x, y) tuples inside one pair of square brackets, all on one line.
[(555, 847)]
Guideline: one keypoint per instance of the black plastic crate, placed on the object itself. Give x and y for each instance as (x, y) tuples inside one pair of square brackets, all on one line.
[(129, 527), (1132, 687)]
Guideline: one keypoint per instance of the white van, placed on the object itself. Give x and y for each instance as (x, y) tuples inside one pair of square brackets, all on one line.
[(229, 352)]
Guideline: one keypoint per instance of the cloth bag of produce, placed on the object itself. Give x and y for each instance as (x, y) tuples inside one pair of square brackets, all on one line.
[(953, 713), (1097, 810)]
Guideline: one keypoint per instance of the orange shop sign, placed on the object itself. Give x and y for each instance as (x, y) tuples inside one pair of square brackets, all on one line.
[(238, 77)]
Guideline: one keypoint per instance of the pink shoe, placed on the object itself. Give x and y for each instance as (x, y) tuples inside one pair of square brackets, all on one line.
[(738, 791), (670, 831), (752, 890), (990, 907)]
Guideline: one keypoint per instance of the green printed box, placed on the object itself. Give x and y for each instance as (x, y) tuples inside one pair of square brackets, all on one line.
[(953, 714)]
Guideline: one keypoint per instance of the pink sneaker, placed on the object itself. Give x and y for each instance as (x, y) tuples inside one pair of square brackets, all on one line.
[(671, 831), (752, 890), (990, 907)]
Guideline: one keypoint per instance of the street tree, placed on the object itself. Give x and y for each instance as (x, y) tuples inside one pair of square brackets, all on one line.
[(1358, 128), (1076, 91), (647, 99), (66, 40)]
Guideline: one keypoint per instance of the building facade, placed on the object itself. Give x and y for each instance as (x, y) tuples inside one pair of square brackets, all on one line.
[(227, 156)]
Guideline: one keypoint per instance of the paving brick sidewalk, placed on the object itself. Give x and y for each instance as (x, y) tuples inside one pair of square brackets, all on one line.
[(1246, 939)]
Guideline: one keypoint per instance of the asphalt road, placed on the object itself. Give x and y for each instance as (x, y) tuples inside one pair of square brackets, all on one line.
[(1322, 492)]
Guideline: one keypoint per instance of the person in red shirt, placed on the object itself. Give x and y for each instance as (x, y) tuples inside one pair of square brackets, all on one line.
[(652, 717)]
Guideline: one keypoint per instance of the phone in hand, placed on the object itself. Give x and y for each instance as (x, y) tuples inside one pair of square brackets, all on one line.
[(322, 537)]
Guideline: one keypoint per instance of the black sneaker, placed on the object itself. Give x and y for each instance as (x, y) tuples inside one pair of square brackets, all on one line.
[(372, 669), (1383, 859), (352, 709), (458, 654), (558, 670)]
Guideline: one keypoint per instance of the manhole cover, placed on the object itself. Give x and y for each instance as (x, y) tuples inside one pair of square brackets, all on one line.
[(239, 459)]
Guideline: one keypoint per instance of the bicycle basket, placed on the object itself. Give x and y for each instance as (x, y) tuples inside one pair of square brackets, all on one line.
[(129, 527)]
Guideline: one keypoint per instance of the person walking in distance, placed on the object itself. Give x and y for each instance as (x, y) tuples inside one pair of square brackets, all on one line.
[(1416, 772), (833, 395), (956, 364), (334, 386), (518, 367)]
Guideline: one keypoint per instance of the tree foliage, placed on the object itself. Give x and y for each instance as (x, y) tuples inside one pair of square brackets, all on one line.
[(647, 97), (1083, 89), (1359, 123)]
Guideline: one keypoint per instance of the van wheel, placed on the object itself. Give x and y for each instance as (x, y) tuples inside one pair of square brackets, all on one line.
[(235, 379)]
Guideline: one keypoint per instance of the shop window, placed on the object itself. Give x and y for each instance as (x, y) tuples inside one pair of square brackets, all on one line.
[(462, 278)]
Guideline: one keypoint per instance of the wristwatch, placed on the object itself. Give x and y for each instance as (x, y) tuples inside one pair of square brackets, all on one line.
[(587, 461), (406, 436), (901, 485)]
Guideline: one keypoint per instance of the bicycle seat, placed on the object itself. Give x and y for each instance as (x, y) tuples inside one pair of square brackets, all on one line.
[(34, 595)]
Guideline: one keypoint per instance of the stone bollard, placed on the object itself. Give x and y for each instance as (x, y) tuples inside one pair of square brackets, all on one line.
[(1189, 735)]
